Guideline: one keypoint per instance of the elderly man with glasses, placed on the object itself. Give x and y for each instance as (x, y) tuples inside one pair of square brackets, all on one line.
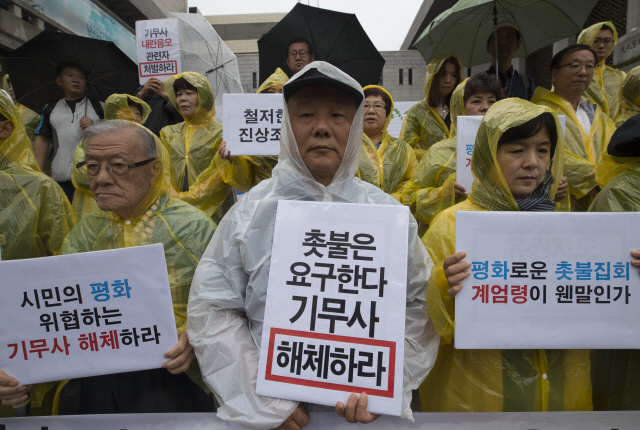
[(588, 127), (604, 88), (128, 171), (299, 54)]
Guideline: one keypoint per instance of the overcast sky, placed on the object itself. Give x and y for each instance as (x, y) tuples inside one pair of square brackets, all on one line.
[(385, 21)]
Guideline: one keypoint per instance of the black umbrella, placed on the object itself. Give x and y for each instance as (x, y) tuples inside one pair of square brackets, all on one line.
[(32, 68), (337, 38)]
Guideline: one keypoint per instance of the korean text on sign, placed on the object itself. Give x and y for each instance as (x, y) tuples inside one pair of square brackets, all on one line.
[(548, 280), (334, 321), (158, 48), (252, 123)]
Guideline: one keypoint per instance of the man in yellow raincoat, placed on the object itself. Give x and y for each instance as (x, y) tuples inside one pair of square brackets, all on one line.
[(433, 187), (629, 98), (243, 172), (603, 38), (385, 161), (588, 127), (501, 380), (128, 168), (426, 121), (193, 144), (29, 117), (616, 382), (35, 215), (117, 106)]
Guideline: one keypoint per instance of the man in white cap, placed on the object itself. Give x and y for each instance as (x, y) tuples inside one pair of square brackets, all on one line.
[(319, 154)]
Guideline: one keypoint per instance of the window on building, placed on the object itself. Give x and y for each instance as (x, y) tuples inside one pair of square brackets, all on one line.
[(255, 80), (401, 76), (410, 76)]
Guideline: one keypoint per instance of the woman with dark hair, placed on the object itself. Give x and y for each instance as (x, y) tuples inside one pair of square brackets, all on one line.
[(517, 164), (428, 121), (385, 161)]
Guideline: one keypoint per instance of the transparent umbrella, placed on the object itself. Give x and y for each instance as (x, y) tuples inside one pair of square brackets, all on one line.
[(202, 51)]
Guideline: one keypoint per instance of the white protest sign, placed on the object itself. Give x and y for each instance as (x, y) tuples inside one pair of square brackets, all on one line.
[(336, 302), (252, 123), (158, 49), (548, 280), (85, 314), (398, 115), (467, 130)]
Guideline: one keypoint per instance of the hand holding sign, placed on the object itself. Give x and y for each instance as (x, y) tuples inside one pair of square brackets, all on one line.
[(11, 392)]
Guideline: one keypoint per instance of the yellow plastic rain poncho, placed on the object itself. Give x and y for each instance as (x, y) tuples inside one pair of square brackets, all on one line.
[(582, 151), (431, 190), (243, 172), (629, 97), (390, 166), (35, 215), (606, 80), (30, 118), (193, 147), (115, 107), (495, 380), (423, 126), (619, 178), (277, 78), (228, 294)]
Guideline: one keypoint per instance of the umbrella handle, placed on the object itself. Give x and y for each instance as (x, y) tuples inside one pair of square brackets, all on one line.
[(495, 38)]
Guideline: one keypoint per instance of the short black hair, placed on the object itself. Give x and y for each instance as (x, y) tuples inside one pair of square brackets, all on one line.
[(131, 103), (531, 128), (482, 83), (557, 59), (300, 40), (182, 84), (378, 92), (2, 118), (606, 27), (69, 65), (506, 26)]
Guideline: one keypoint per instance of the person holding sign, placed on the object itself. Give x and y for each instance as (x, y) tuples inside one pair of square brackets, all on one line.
[(319, 151), (193, 144), (433, 186), (385, 161), (428, 121), (128, 171), (517, 164), (117, 106), (588, 127)]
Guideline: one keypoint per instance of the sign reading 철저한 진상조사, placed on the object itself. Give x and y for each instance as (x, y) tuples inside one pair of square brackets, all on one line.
[(336, 304)]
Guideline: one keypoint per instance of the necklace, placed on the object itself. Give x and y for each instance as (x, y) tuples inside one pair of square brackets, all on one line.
[(443, 110)]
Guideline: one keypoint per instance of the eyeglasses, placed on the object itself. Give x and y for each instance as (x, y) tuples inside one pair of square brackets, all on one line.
[(117, 169), (303, 54), (607, 41), (574, 67), (376, 107)]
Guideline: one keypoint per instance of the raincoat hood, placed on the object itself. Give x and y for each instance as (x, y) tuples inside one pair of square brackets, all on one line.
[(117, 107), (433, 68), (386, 124), (5, 83), (456, 107), (159, 185), (278, 77), (16, 149), (490, 189), (588, 35), (629, 97), (290, 164), (206, 108)]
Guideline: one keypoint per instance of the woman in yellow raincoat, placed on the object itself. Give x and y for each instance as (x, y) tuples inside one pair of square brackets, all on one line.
[(603, 91), (30, 118), (35, 215), (629, 98), (117, 106), (515, 137), (193, 144), (583, 148), (242, 172), (385, 161), (433, 187), (428, 121)]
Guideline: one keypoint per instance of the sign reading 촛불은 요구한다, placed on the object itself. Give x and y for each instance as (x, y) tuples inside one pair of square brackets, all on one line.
[(547, 280), (86, 314), (336, 304)]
